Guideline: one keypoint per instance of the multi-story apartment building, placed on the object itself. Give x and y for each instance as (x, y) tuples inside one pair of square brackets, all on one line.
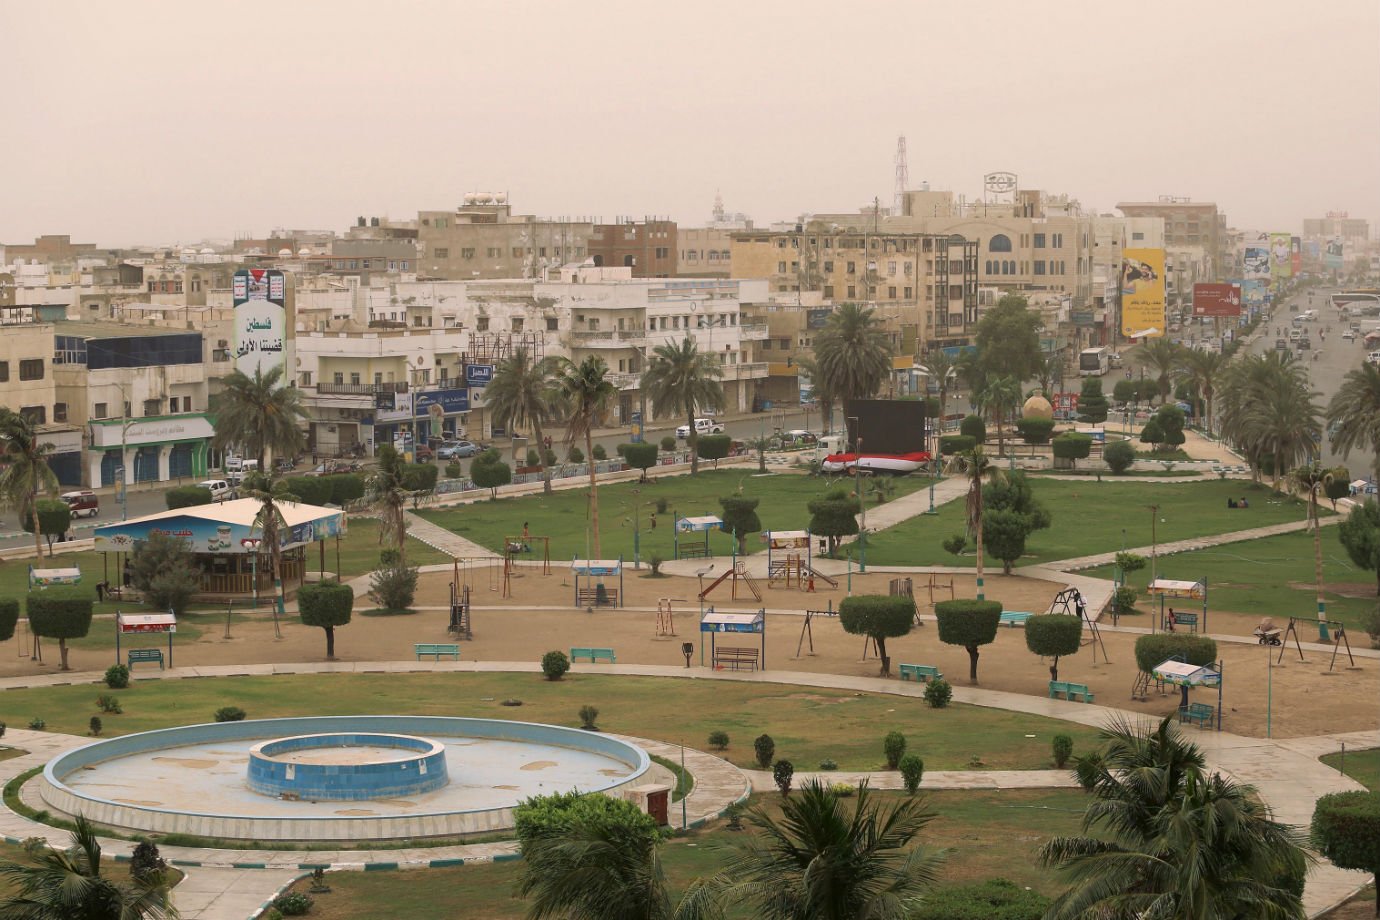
[(647, 247), (1195, 234), (1337, 224), (484, 239), (705, 252)]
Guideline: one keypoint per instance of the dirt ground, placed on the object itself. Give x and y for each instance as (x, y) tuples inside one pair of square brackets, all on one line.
[(1307, 698)]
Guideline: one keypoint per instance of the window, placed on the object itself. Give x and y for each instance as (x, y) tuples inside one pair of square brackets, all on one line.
[(828, 292), (781, 268), (403, 265), (338, 377), (31, 369), (663, 252), (552, 324), (354, 378), (34, 415), (766, 345), (442, 223), (59, 412), (999, 243), (493, 252), (891, 269), (1039, 266), (467, 252), (152, 407), (1058, 241), (378, 378), (891, 292), (4, 371), (100, 410), (172, 405), (517, 323), (442, 252), (304, 379), (354, 264), (481, 324), (910, 293), (987, 267), (852, 291), (829, 267), (852, 270)]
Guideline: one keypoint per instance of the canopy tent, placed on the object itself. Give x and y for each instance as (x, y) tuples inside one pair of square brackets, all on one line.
[(715, 623), (1183, 675), (687, 525), (1163, 588), (593, 592), (43, 578), (142, 624)]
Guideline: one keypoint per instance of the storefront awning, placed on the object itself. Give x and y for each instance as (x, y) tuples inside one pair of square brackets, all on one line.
[(222, 528)]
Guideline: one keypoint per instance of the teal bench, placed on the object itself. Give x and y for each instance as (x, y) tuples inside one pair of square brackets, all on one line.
[(593, 654), (437, 649), (1176, 618), (145, 654), (1200, 713), (1012, 617), (920, 672), (1069, 690)]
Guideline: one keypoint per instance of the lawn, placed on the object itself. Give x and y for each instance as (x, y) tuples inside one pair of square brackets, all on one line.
[(626, 508), (988, 834), (1095, 517), (1274, 577), (808, 724), (1362, 766)]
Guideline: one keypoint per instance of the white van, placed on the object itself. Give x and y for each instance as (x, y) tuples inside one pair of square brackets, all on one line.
[(220, 489)]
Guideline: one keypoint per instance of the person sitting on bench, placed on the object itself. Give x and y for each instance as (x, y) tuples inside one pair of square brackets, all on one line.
[(1231, 503)]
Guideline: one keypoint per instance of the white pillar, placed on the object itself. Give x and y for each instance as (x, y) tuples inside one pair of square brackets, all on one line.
[(164, 462)]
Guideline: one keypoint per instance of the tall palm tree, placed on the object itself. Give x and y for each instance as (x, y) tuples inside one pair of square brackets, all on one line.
[(26, 475), (825, 860), (261, 414), (521, 394), (1000, 399), (1204, 370), (385, 489), (823, 395), (1172, 841), (1285, 421), (1354, 413), (681, 381), (62, 884), (852, 353), (976, 467), (1313, 479), (271, 495), (1162, 357), (943, 368), (586, 391)]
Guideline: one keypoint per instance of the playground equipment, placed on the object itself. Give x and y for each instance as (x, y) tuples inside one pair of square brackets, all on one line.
[(737, 572), (1162, 588), (786, 564), (691, 525), (590, 590), (460, 611), (1340, 639), (739, 623), (1070, 601), (934, 584), (806, 633), (514, 546), (666, 616)]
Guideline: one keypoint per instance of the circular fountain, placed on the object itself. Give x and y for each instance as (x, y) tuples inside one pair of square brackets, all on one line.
[(347, 766)]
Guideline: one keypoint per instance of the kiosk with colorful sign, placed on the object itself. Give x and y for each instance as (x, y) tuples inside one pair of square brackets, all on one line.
[(713, 624), (1191, 590), (593, 592), (688, 525), (144, 624)]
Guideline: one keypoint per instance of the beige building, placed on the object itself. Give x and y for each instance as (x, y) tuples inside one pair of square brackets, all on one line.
[(484, 239), (1195, 230), (705, 252)]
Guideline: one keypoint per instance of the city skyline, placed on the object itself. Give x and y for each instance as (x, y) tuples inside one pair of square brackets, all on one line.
[(163, 125)]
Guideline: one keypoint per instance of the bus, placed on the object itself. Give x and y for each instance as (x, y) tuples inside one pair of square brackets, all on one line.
[(1092, 362), (1361, 298)]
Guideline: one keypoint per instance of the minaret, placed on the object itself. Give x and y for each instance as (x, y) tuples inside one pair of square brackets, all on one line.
[(902, 177)]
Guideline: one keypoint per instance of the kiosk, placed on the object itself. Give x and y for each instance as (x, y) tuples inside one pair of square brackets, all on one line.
[(143, 624), (691, 525), (1191, 590), (593, 592), (714, 624), (1183, 675)]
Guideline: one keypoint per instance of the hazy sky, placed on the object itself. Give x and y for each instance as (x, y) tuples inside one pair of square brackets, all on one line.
[(169, 122)]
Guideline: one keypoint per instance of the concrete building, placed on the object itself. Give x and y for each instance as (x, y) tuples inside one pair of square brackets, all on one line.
[(1195, 231), (1337, 224), (45, 249), (484, 239), (647, 247), (705, 252)]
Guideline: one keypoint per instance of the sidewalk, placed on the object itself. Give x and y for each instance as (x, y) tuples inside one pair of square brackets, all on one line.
[(1194, 543)]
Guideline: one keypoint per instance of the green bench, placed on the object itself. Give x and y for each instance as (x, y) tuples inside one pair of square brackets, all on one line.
[(1012, 617), (437, 649), (1176, 618), (1200, 713), (1069, 690), (146, 654), (920, 672), (593, 654)]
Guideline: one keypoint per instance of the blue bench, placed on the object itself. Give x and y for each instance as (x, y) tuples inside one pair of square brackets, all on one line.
[(146, 654), (436, 649), (920, 672), (1201, 713), (1069, 690), (1012, 617), (593, 654), (1176, 618)]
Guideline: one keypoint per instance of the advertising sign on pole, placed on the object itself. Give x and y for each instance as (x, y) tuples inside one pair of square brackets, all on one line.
[(265, 330), (1216, 300), (1281, 257), (1142, 293)]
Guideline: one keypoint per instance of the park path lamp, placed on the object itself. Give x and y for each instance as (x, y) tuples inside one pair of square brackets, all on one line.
[(1154, 538), (252, 544), (857, 488)]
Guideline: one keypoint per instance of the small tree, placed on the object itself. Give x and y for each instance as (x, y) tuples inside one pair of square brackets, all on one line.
[(489, 472), (713, 447), (912, 771), (60, 613), (1072, 446), (974, 427), (1360, 536), (640, 457), (1053, 636), (1152, 650), (327, 604), (1062, 749), (879, 617), (764, 749), (1130, 562), (1339, 486), (1346, 829), (956, 544), (834, 515), (956, 444), (163, 569), (781, 773), (1119, 456), (740, 518), (969, 623), (1092, 404), (668, 444), (1035, 430), (420, 477), (1152, 433), (393, 585), (1010, 514), (191, 496), (600, 453), (1124, 391), (554, 665), (9, 617), (894, 746), (54, 519), (1171, 419)]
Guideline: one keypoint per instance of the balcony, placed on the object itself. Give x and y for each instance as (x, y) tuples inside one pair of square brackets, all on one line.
[(753, 332), (359, 389), (749, 371), (612, 338)]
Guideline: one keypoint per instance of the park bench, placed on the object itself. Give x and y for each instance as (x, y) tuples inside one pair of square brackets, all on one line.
[(736, 656), (145, 654), (694, 551), (1013, 617), (437, 649), (1069, 690), (589, 597), (1176, 618), (1201, 713), (593, 654), (920, 672)]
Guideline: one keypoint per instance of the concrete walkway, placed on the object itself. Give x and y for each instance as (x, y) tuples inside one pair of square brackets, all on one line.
[(448, 542), (1191, 544), (940, 779)]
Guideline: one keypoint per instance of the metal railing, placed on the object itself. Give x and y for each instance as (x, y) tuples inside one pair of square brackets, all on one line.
[(360, 389)]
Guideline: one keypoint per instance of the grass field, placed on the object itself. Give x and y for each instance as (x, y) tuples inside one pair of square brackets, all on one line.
[(1272, 576), (627, 507), (987, 834), (1095, 517), (1362, 766), (808, 724)]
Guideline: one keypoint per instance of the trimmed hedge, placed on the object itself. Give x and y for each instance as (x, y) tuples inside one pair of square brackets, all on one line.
[(879, 617), (1119, 456), (640, 456), (969, 623), (187, 497), (1152, 650), (974, 427), (9, 616), (1346, 829), (326, 604), (956, 443), (713, 446), (1053, 635), (60, 613), (1072, 446), (1035, 430)]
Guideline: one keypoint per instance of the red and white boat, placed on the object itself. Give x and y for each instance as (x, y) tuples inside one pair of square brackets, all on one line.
[(876, 463)]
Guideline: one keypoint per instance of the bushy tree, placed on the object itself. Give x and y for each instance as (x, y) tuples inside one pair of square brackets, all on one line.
[(834, 515), (187, 497), (1171, 419), (1010, 514), (1035, 430), (974, 427), (420, 477), (740, 518), (9, 617), (393, 585), (879, 617), (1346, 829), (1338, 485), (1052, 636), (489, 472), (1092, 404), (326, 604), (1360, 536), (1008, 339), (60, 613), (54, 519), (1158, 648), (1073, 446), (163, 569), (640, 457), (1125, 391), (1152, 433), (956, 444), (713, 447), (969, 623), (1120, 455)]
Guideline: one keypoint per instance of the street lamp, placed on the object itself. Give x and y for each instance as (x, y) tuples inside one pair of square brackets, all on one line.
[(252, 544), (857, 487), (1154, 538)]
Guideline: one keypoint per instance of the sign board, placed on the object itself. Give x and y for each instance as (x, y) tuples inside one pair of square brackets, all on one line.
[(265, 329), (478, 375), (152, 431), (1216, 300), (146, 623), (450, 401), (732, 623), (1142, 293), (999, 183), (392, 407)]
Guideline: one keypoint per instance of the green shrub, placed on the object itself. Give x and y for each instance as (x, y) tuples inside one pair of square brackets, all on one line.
[(60, 613), (956, 544), (894, 746), (828, 765), (1035, 430), (453, 470), (879, 617), (956, 444), (326, 604), (109, 702), (548, 457), (95, 726), (973, 427), (533, 458), (1370, 622), (552, 817), (668, 444), (146, 862), (992, 899), (293, 904), (842, 790), (718, 740), (37, 724), (420, 477), (1062, 749), (912, 771), (600, 453), (1087, 769), (9, 617), (1053, 635), (345, 487), (393, 586), (230, 714), (1124, 600), (554, 665), (662, 505), (589, 718), (781, 773), (640, 456), (1346, 829), (764, 749), (54, 518), (1072, 446), (1119, 456), (187, 497), (713, 447), (117, 677), (969, 623), (1130, 562), (938, 692), (655, 563), (1151, 650), (312, 490), (575, 455)]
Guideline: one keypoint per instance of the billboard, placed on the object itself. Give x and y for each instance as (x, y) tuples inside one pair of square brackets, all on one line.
[(479, 375), (450, 401), (1216, 300), (1256, 262), (264, 322), (1142, 293), (1281, 259), (887, 426), (1332, 259), (1254, 292), (1295, 255)]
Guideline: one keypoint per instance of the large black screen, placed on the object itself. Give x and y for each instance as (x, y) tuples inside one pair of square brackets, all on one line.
[(887, 426)]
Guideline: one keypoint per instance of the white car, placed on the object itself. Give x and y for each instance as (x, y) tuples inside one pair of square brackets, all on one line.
[(220, 489), (1349, 335), (1373, 357), (702, 426)]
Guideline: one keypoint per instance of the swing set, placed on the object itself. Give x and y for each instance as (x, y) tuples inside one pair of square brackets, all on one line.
[(786, 566)]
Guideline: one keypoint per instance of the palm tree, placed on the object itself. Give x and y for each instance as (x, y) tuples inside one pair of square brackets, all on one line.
[(386, 491), (823, 860), (260, 414), (1354, 413), (943, 368), (1284, 421), (62, 884), (1161, 356), (977, 467), (1204, 370), (269, 521), (26, 474), (1312, 479), (594, 872), (852, 353), (585, 390), (681, 381), (521, 394), (823, 395), (1002, 396), (1173, 842)]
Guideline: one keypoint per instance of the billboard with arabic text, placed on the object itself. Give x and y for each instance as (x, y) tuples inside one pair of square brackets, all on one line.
[(265, 327)]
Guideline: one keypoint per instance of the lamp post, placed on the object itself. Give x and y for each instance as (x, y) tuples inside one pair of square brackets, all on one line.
[(1154, 537), (252, 544), (857, 487)]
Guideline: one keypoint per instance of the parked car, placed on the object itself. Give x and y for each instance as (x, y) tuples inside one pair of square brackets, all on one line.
[(456, 450), (1373, 357), (1281, 345), (220, 489), (702, 426), (423, 453), (83, 504), (1349, 335)]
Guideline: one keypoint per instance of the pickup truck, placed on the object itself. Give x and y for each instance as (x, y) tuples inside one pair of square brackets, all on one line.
[(702, 426)]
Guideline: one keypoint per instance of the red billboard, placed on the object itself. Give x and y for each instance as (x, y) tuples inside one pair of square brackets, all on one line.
[(1216, 300)]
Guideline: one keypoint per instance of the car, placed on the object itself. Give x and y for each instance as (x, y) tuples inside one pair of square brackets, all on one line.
[(1303, 344), (702, 426), (1281, 345), (220, 489), (84, 503), (1373, 357), (456, 450), (423, 453)]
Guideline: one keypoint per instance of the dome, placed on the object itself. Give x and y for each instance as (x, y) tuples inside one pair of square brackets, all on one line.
[(1037, 407), (285, 253)]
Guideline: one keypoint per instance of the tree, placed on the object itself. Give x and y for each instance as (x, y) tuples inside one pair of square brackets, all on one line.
[(420, 477), (489, 472), (326, 604), (393, 585), (60, 613), (971, 624), (1280, 381), (25, 474), (1000, 398), (1092, 405), (1346, 829), (1120, 455), (852, 353), (1155, 649), (1010, 515), (879, 617), (1360, 536), (1051, 372), (1353, 414), (386, 491), (263, 414), (9, 617), (640, 457), (1312, 479), (1171, 419), (1204, 370), (54, 519), (1152, 433), (1338, 486), (1053, 635), (269, 522), (1125, 391), (69, 884), (1035, 430), (1162, 357), (976, 468), (834, 515), (682, 380), (1008, 340), (740, 518), (1072, 446), (586, 391), (714, 447), (163, 569), (522, 393), (188, 497), (974, 427), (943, 368)]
